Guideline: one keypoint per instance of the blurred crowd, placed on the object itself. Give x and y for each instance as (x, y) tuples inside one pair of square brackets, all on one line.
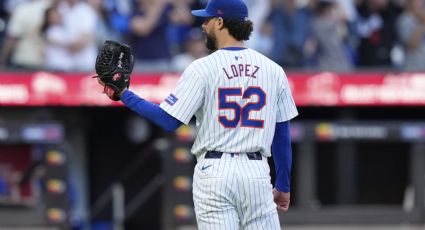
[(336, 35)]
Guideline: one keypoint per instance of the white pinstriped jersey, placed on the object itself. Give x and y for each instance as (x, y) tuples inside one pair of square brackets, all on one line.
[(237, 96)]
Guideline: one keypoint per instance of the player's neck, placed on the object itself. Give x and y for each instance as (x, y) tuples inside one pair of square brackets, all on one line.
[(230, 42)]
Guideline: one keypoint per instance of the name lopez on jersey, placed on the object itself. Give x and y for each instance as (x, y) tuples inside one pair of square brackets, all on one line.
[(241, 70)]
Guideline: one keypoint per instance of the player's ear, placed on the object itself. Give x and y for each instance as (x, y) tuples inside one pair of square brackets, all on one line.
[(220, 23)]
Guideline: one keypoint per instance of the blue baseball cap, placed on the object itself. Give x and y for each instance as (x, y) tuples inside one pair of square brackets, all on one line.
[(227, 9)]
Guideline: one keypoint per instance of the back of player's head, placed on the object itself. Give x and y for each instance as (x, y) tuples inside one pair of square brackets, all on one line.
[(234, 14), (239, 29)]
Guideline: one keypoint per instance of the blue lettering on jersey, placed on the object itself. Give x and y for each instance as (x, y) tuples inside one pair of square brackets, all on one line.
[(241, 113), (171, 99), (241, 70)]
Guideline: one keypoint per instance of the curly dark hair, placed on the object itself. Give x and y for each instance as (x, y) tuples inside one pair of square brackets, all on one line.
[(239, 29)]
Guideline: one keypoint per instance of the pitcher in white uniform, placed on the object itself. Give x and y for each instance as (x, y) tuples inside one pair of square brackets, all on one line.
[(242, 104)]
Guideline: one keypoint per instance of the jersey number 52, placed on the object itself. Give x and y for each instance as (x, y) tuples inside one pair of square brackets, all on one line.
[(241, 113)]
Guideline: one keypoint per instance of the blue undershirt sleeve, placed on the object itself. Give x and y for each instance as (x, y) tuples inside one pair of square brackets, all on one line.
[(282, 156), (150, 111)]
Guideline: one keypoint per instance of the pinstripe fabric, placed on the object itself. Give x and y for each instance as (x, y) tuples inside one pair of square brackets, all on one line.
[(234, 193), (198, 94), (237, 97)]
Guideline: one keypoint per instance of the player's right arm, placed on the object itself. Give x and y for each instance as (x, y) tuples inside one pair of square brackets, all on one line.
[(178, 108), (150, 111), (188, 96)]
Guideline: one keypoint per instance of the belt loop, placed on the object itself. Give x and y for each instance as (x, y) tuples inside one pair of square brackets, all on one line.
[(213, 154), (254, 156)]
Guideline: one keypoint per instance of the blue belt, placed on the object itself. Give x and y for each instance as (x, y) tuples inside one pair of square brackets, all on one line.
[(217, 155)]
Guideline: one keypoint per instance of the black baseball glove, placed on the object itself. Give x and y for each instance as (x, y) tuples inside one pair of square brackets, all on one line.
[(114, 64)]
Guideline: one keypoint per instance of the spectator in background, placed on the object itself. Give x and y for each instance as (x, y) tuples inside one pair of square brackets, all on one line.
[(104, 28), (4, 16), (348, 14), (118, 13), (264, 41), (194, 49), (23, 44), (258, 12), (194, 5), (411, 30), (181, 23), (80, 21), (291, 28), (148, 35), (348, 9), (11, 5), (328, 38), (57, 53), (376, 28)]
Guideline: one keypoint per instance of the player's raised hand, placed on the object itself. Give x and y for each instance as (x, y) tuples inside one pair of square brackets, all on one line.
[(114, 65), (282, 200)]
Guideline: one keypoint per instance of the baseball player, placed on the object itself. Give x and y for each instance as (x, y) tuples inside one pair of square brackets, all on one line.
[(242, 103)]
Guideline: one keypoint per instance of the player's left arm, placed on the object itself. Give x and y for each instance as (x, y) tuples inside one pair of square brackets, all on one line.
[(282, 157), (281, 146)]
